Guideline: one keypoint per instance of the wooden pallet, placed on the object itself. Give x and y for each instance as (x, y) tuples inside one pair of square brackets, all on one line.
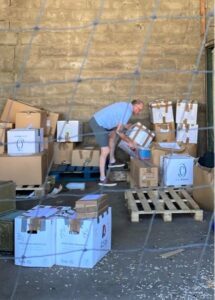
[(165, 202), (75, 173), (23, 191)]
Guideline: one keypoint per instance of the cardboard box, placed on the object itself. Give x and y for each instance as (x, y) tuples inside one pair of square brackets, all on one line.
[(25, 141), (7, 196), (124, 146), (52, 118), (161, 111), (190, 149), (203, 192), (91, 206), (187, 133), (85, 157), (35, 231), (31, 119), (160, 149), (34, 242), (4, 127), (186, 112), (140, 134), (164, 132), (84, 248), (177, 170), (24, 170), (13, 106), (69, 131), (143, 173), (63, 153), (7, 230)]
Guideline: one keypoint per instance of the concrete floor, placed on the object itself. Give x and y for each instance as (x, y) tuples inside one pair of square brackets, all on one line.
[(133, 269)]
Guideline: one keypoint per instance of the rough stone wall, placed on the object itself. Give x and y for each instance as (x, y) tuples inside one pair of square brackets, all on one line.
[(74, 57)]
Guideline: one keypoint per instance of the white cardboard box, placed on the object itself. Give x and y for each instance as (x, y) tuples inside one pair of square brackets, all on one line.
[(34, 248), (35, 231), (86, 248), (124, 146), (25, 141), (140, 134), (187, 133), (161, 111), (186, 112), (177, 170), (69, 131)]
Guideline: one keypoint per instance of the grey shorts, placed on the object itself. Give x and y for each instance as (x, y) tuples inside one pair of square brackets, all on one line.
[(101, 134)]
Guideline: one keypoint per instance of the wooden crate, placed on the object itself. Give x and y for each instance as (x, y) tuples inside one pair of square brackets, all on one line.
[(165, 202)]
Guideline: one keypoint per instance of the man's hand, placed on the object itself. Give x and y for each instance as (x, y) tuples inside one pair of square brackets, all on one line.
[(131, 143)]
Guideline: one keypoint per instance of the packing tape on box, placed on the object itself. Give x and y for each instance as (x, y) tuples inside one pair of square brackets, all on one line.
[(160, 104), (148, 137), (146, 182), (73, 224), (34, 225), (189, 106), (139, 126), (87, 160)]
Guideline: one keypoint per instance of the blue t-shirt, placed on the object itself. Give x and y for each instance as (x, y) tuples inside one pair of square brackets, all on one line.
[(112, 115)]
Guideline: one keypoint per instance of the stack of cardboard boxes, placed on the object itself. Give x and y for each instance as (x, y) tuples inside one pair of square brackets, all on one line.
[(47, 235), (162, 120), (27, 144), (68, 133), (187, 127), (28, 147), (170, 163), (67, 150), (169, 153), (142, 173)]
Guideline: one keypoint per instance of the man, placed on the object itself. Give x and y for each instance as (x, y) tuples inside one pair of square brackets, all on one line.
[(108, 122)]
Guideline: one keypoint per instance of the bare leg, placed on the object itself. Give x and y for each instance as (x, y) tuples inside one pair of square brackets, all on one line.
[(102, 160), (112, 145)]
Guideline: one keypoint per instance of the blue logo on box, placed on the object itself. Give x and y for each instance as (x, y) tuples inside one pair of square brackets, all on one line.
[(182, 171)]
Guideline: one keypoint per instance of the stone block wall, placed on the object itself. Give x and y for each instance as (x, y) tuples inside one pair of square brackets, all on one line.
[(74, 57)]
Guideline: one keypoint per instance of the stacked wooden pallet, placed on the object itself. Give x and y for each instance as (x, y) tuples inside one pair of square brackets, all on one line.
[(26, 190)]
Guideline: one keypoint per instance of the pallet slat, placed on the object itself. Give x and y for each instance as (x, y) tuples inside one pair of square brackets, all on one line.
[(131, 202), (155, 199), (144, 202), (178, 200), (190, 199), (167, 201)]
